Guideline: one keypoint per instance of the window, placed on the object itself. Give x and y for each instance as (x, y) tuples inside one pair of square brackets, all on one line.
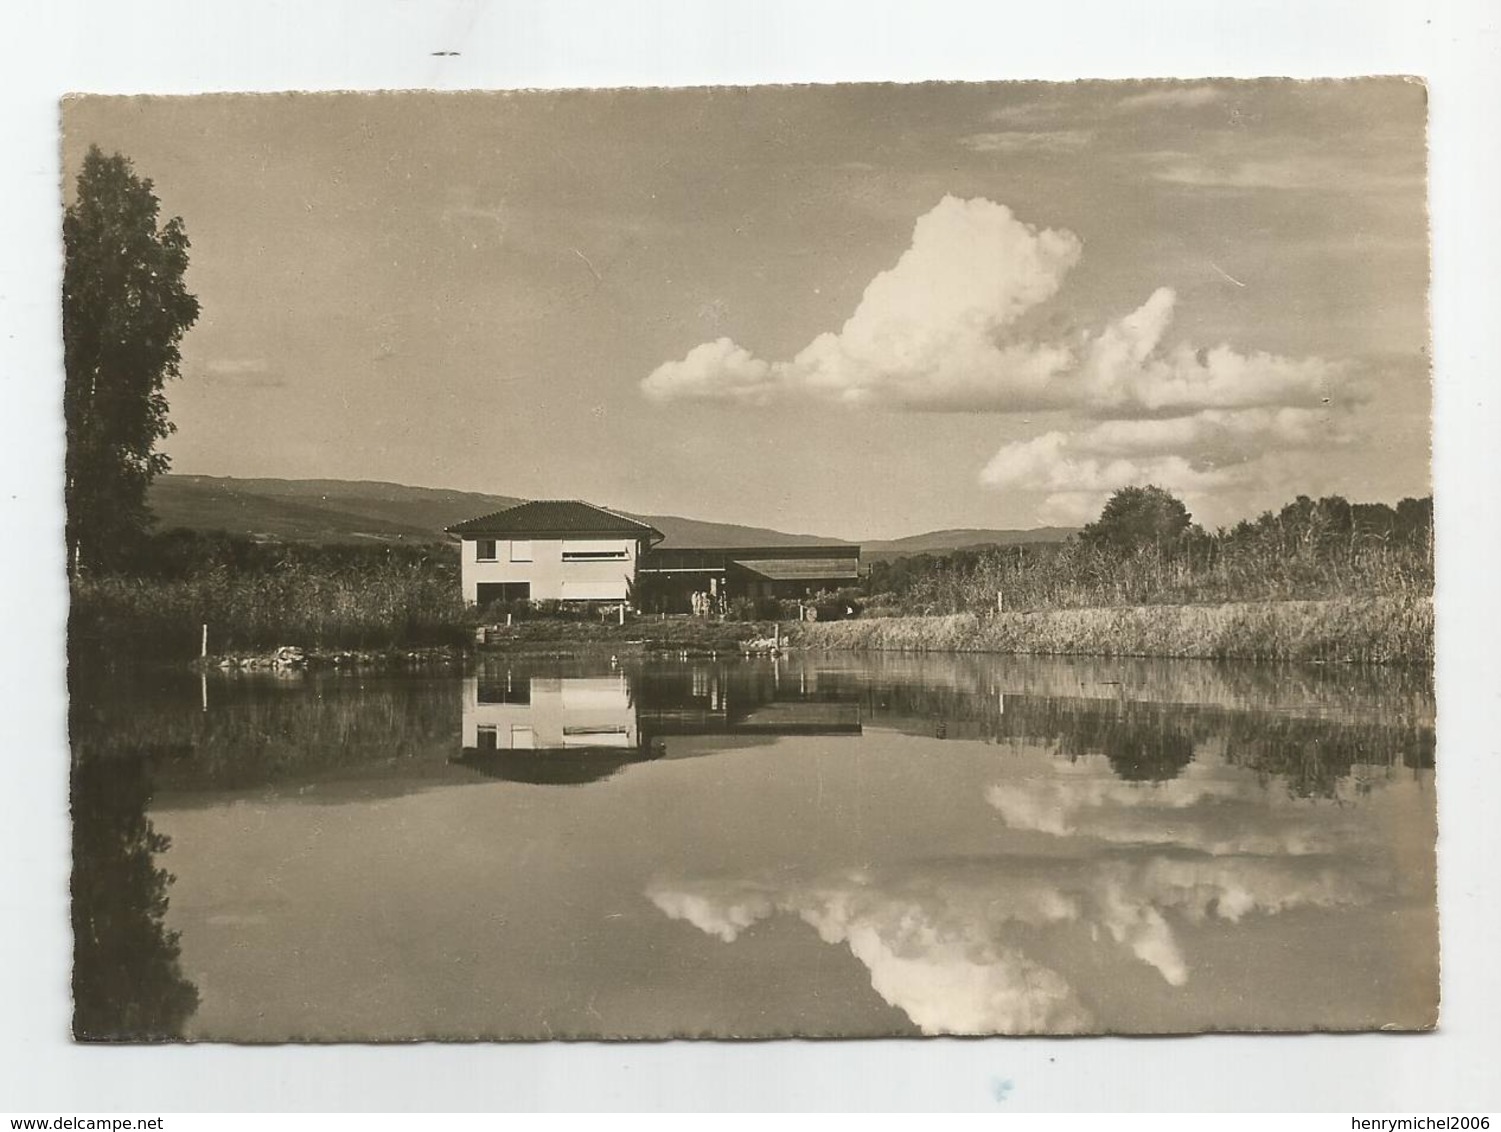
[(521, 550), (484, 549), (487, 739), (504, 690), (487, 592), (603, 736), (594, 551)]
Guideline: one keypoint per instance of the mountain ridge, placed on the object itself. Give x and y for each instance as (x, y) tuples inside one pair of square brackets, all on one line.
[(377, 511)]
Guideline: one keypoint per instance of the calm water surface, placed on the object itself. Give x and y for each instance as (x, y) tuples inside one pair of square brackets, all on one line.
[(821, 845)]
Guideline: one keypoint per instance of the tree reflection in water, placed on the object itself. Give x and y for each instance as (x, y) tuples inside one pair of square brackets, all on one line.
[(1306, 755), (127, 982)]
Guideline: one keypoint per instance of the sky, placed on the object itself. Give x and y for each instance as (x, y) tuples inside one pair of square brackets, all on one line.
[(863, 311)]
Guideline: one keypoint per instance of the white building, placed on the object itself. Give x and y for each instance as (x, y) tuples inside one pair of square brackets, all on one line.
[(551, 550)]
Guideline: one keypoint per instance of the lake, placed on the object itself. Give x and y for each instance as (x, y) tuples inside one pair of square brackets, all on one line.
[(820, 845)]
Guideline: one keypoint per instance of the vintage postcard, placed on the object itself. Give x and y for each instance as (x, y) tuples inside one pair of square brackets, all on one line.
[(824, 561)]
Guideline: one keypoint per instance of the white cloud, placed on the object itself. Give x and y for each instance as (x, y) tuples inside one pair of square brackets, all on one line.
[(943, 330), (1256, 451), (1035, 111), (1194, 421), (938, 332), (1126, 370), (930, 333), (1226, 159), (1172, 98), (1057, 462), (236, 366), (718, 370), (243, 374), (1028, 141)]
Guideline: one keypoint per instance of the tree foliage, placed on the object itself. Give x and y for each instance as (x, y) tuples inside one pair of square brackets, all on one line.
[(125, 309), (1138, 516)]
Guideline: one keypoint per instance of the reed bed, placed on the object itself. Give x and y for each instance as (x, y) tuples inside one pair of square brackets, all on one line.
[(1380, 629), (387, 606), (1261, 566)]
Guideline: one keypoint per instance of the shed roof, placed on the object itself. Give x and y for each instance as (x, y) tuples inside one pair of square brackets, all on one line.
[(543, 517), (663, 559), (802, 569)]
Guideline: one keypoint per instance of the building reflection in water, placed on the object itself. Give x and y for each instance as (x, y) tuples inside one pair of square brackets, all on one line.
[(570, 730)]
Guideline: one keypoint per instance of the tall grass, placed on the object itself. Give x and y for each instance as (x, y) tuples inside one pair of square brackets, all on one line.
[(390, 604), (1384, 629), (1077, 575)]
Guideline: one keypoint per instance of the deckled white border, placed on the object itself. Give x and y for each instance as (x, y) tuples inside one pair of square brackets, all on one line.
[(172, 46)]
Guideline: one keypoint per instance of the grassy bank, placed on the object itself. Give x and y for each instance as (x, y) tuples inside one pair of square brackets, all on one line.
[(1377, 630), (639, 635)]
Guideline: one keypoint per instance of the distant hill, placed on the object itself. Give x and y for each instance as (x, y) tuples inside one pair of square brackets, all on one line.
[(314, 510), (371, 511), (938, 542)]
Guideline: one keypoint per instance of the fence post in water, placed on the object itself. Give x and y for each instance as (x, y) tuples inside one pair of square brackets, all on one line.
[(1000, 601), (622, 613), (508, 620), (203, 646)]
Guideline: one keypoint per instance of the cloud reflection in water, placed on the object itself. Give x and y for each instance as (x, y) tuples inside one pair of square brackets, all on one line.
[(977, 946)]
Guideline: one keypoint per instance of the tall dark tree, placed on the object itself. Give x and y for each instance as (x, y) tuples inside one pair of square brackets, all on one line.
[(1138, 516), (125, 309)]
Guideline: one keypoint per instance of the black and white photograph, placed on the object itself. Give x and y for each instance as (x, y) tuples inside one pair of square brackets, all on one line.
[(739, 562)]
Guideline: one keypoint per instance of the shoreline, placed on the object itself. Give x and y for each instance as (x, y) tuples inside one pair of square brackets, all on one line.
[(1394, 630)]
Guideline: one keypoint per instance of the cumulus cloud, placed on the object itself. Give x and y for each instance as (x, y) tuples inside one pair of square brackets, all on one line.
[(939, 331), (1125, 369), (718, 370), (1211, 450), (1194, 421), (930, 333), (946, 329)]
